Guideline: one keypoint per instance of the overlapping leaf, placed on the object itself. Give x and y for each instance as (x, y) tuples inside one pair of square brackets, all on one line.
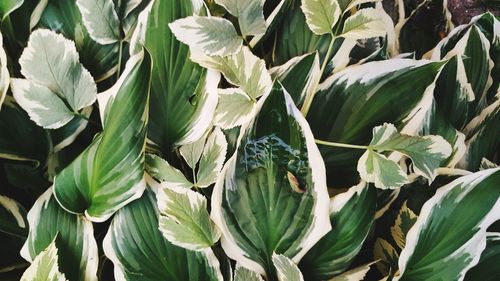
[(250, 15), (286, 269), (366, 23), (321, 15), (101, 20), (45, 266)]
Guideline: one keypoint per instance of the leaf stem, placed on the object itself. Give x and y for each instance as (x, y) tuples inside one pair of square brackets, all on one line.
[(344, 145), (310, 95)]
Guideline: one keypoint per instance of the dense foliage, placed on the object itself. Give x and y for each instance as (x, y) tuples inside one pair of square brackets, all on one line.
[(248, 140)]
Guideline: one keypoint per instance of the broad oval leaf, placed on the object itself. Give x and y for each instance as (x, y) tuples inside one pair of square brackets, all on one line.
[(4, 72), (45, 267), (273, 187), (184, 219), (286, 269), (13, 217), (250, 15), (366, 23), (321, 15), (447, 238), (78, 256), (109, 174), (101, 20), (214, 36), (139, 251), (352, 214)]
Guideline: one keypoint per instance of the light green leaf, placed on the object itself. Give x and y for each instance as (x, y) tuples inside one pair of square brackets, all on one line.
[(56, 81), (235, 108), (352, 213), (139, 251), (286, 269), (273, 187), (405, 220), (244, 274), (101, 20), (184, 219), (8, 6), (12, 217), (426, 153), (45, 267), (214, 36), (243, 69), (250, 15), (75, 234), (432, 251), (366, 23), (383, 172), (109, 174), (169, 176), (191, 152), (355, 274), (4, 72), (321, 15), (212, 158)]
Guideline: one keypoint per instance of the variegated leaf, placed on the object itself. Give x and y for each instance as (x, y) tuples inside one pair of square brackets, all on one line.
[(184, 219), (347, 5), (101, 20), (169, 176), (214, 36), (487, 268), (4, 72), (321, 15), (243, 274), (250, 15), (366, 23), (212, 159), (45, 267), (405, 220), (235, 108), (383, 172), (286, 269), (387, 256)]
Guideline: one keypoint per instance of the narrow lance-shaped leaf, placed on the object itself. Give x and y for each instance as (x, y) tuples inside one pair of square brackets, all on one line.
[(273, 187), (57, 86), (184, 219), (78, 255), (286, 269), (139, 251), (214, 36), (432, 251), (108, 175), (366, 23), (45, 267), (101, 20), (4, 73), (321, 15), (12, 217), (250, 15)]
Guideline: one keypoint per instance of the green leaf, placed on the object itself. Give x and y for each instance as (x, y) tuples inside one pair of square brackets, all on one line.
[(191, 152), (101, 20), (366, 23), (286, 269), (250, 15), (4, 72), (57, 86), (212, 159), (109, 174), (45, 267), (487, 267), (405, 220), (184, 219), (13, 217), (351, 214), (256, 197), (432, 251), (139, 251), (243, 274), (183, 94), (169, 176), (321, 15), (235, 108), (426, 152), (78, 255), (383, 172), (243, 69), (214, 36), (8, 6)]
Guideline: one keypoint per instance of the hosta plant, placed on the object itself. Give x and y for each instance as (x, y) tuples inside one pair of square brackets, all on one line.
[(248, 140)]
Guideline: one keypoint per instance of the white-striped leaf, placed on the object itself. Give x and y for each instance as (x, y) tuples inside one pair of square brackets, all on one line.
[(383, 172), (12, 217), (212, 159), (244, 274), (169, 176), (487, 268), (366, 23), (243, 69), (184, 219), (250, 15), (448, 238), (273, 187), (235, 108), (139, 251), (214, 36), (57, 86), (109, 174), (45, 267), (4, 72), (351, 215), (286, 269), (321, 15), (101, 20), (78, 255)]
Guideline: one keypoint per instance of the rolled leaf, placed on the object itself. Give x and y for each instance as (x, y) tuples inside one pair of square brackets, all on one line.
[(108, 175), (273, 188)]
